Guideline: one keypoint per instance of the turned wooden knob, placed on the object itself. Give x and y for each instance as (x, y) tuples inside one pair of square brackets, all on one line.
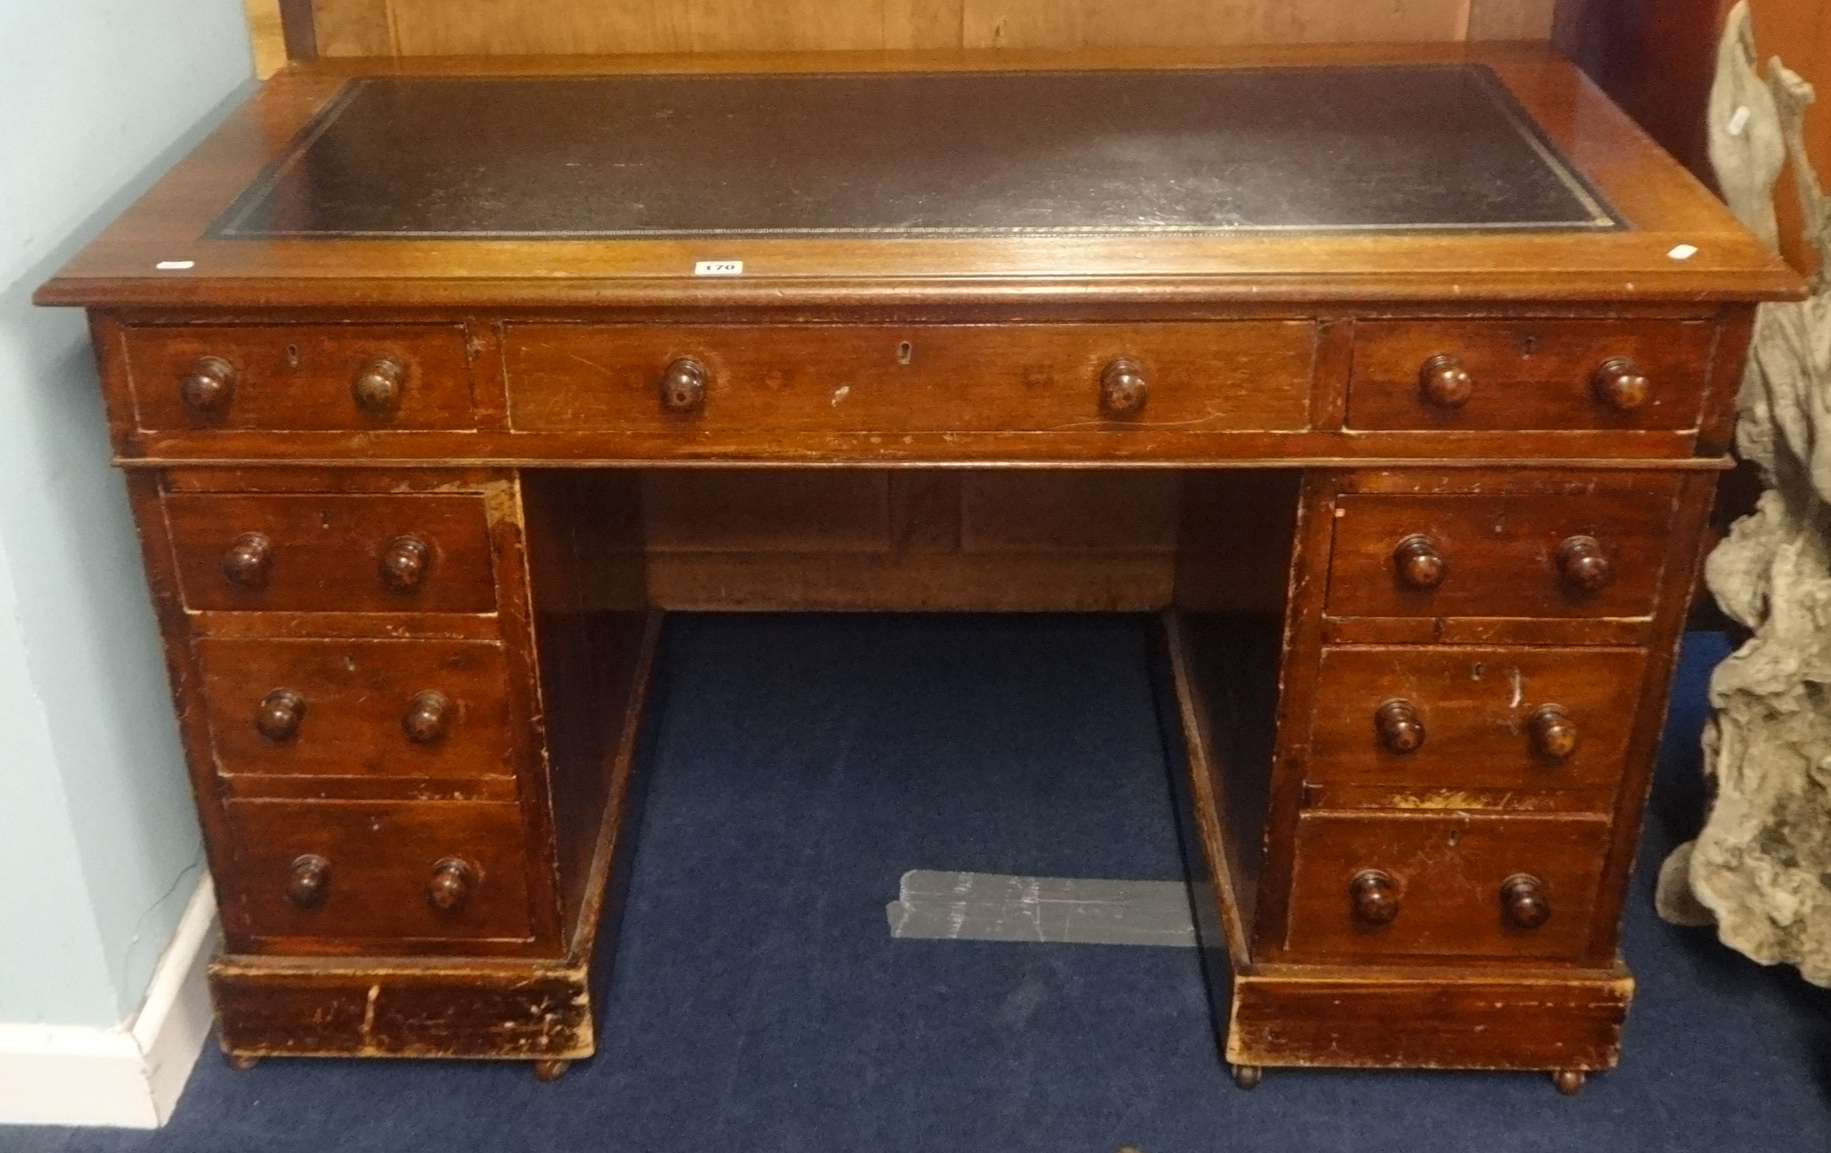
[(1582, 565), (1444, 382), (1375, 895), (377, 388), (209, 387), (404, 563), (248, 561), (1401, 729), (1522, 899), (1123, 388), (428, 718), (683, 386), (1554, 734), (1420, 566), (309, 882), (452, 880), (279, 714), (1619, 385)]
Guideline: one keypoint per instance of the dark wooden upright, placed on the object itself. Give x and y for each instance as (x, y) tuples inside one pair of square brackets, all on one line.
[(387, 356)]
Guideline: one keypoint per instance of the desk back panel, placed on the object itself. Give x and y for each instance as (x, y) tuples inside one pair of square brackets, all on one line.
[(544, 27)]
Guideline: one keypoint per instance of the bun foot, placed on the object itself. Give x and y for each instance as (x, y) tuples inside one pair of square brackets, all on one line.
[(1247, 1076), (241, 1062), (1568, 1081), (550, 1070)]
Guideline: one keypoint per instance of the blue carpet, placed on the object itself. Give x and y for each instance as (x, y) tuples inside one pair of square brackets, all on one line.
[(759, 1003)]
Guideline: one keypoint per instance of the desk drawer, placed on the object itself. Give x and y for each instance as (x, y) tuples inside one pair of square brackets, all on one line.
[(1591, 555), (1196, 377), (1529, 374), (312, 873), (297, 377), (357, 707), (1443, 881), (1450, 721), (332, 553)]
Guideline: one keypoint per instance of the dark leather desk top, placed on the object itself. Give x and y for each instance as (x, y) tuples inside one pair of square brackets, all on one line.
[(1374, 148)]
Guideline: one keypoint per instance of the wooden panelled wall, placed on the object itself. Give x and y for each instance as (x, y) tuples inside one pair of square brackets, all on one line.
[(541, 27)]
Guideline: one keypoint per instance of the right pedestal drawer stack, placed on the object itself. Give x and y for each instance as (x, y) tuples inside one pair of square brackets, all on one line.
[(1474, 687)]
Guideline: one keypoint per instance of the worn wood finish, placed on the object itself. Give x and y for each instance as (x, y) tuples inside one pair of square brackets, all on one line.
[(1428, 1019), (1476, 708), (915, 379), (409, 505), (362, 705), (1447, 871)]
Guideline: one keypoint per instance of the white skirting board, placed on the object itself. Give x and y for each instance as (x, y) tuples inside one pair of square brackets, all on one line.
[(129, 1076)]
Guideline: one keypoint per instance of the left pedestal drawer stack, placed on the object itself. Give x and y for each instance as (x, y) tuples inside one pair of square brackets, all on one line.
[(354, 657)]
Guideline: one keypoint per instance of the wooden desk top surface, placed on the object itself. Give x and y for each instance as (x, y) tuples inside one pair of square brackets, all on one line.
[(1468, 173)]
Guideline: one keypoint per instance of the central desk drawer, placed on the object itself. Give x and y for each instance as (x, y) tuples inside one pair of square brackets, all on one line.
[(415, 708), (1195, 377), (332, 553), (312, 873)]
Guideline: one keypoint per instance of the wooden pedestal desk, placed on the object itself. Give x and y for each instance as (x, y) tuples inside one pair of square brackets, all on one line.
[(388, 358)]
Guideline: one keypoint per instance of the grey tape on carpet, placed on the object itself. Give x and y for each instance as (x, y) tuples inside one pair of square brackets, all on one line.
[(996, 907)]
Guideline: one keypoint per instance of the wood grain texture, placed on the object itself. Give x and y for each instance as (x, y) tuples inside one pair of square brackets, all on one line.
[(266, 36), (540, 27)]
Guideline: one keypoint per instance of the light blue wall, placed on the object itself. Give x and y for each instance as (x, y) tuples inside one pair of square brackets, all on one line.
[(98, 840)]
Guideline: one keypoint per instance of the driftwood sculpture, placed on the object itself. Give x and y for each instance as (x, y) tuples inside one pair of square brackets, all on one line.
[(1761, 867)]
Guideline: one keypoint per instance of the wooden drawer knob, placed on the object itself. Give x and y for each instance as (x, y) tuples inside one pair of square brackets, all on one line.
[(1522, 899), (1420, 566), (248, 561), (1375, 895), (1444, 382), (1554, 734), (209, 387), (279, 715), (377, 388), (683, 387), (404, 563), (428, 718), (1619, 385), (1582, 565), (1123, 389), (309, 882), (452, 881), (1401, 729)]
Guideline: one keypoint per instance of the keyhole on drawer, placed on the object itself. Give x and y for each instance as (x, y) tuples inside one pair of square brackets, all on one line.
[(1455, 837), (1528, 345), (292, 356), (905, 353), (349, 663), (1475, 671)]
